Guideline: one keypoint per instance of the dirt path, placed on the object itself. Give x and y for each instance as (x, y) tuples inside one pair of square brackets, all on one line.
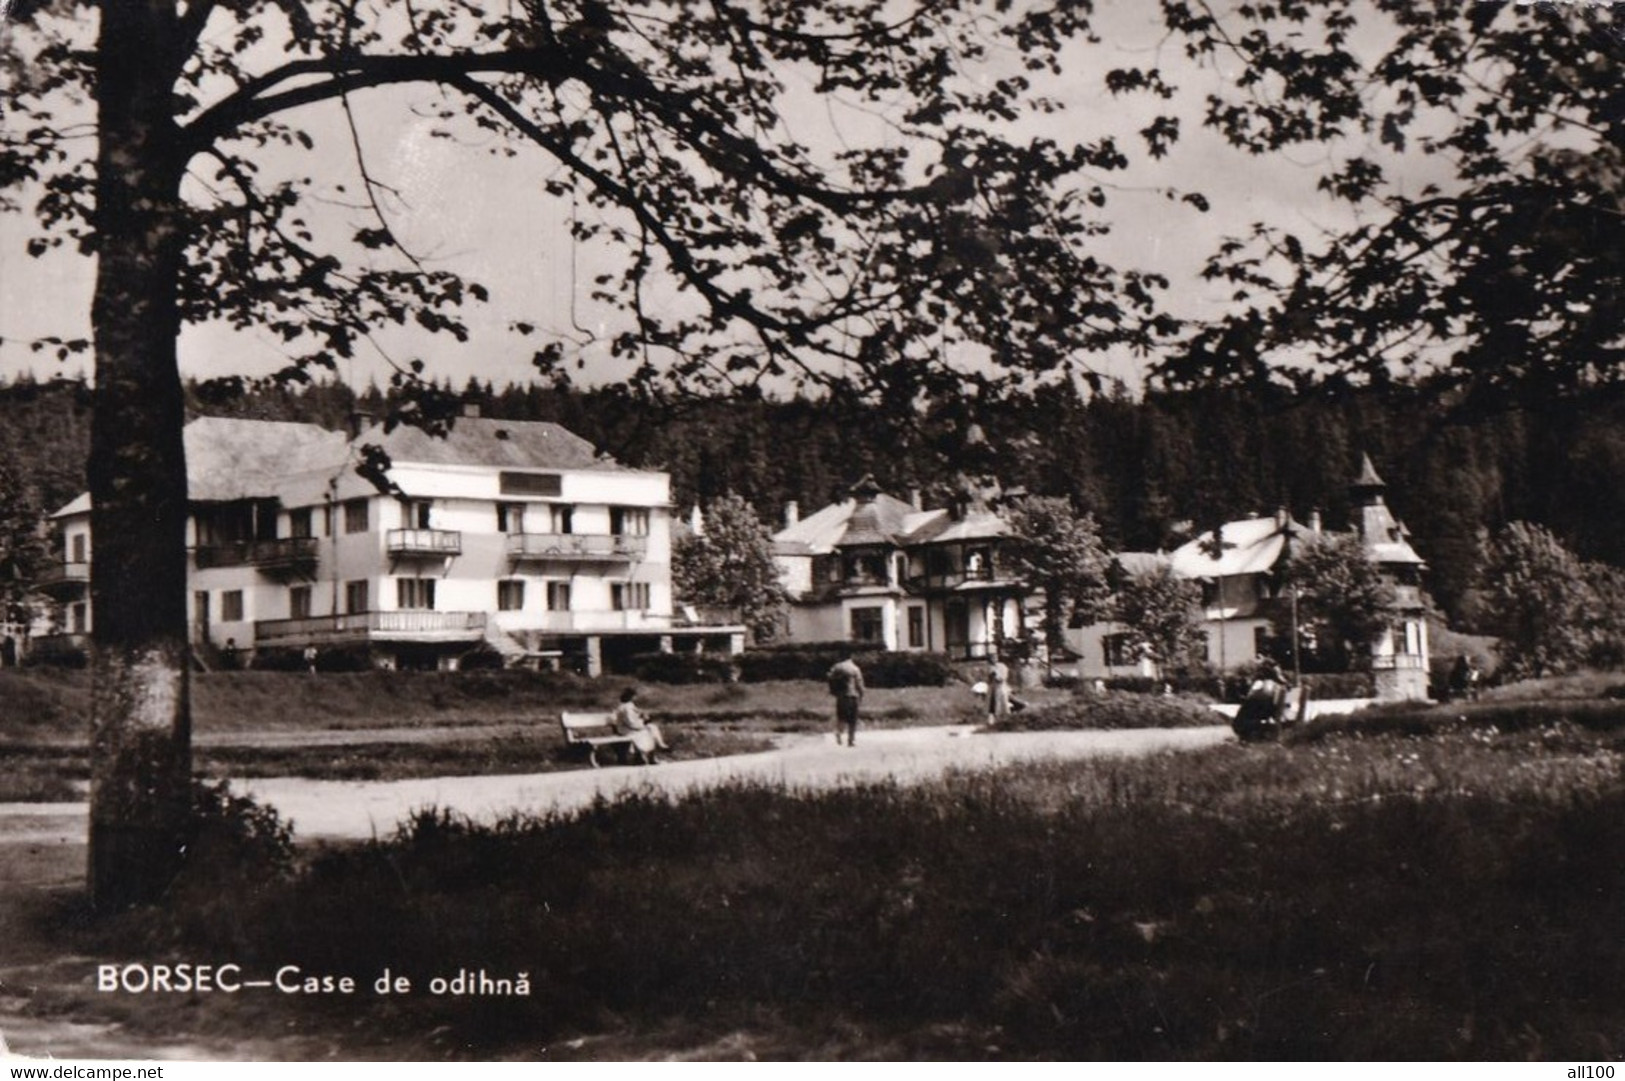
[(348, 809), (362, 809)]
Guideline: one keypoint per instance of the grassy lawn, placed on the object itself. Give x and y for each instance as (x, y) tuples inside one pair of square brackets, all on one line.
[(44, 721), (51, 703), (1353, 894), (47, 772)]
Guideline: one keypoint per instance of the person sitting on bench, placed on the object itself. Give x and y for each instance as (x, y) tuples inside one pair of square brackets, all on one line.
[(629, 720)]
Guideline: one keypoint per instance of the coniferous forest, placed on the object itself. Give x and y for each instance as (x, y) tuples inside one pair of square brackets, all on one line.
[(1151, 468)]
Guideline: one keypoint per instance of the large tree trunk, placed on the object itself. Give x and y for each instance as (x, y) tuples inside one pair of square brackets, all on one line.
[(141, 724)]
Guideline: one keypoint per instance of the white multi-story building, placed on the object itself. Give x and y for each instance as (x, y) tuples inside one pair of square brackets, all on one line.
[(517, 537)]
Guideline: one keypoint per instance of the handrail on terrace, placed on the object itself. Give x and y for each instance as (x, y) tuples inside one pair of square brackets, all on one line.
[(577, 545), (256, 553), (367, 624), (447, 542)]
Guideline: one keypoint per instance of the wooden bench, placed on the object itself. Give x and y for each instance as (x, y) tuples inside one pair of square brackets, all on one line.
[(592, 731)]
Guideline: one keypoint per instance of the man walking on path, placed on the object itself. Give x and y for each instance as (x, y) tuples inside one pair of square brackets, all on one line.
[(846, 684)]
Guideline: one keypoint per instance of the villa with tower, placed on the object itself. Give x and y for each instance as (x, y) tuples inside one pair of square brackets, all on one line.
[(1237, 565)]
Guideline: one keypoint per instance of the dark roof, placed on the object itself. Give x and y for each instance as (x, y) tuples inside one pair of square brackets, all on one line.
[(974, 525), (1142, 562), (864, 527), (883, 520), (228, 458), (513, 444)]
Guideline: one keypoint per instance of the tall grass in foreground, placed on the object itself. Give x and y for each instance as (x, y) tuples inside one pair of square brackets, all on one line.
[(1372, 898)]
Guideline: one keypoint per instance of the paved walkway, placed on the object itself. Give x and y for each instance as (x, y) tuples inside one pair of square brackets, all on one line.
[(362, 809)]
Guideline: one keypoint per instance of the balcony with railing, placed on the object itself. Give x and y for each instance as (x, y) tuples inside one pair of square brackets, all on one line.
[(582, 621), (439, 543), (63, 579), (402, 626), (952, 579), (577, 546), (271, 555)]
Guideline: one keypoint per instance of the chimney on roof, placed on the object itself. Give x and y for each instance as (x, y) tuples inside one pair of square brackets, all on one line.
[(696, 520), (1281, 517), (866, 490), (360, 420), (792, 513), (1314, 520), (471, 408), (914, 499)]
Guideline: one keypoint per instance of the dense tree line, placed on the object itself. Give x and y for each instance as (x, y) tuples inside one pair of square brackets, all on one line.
[(1150, 469)]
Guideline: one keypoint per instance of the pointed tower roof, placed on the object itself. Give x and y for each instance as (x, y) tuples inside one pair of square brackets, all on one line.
[(1385, 537), (1368, 483)]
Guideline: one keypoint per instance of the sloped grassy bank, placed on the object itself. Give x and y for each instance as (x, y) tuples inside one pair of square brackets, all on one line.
[(45, 722), (1352, 897)]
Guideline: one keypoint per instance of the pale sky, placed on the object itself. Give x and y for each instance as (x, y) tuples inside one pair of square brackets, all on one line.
[(486, 217)]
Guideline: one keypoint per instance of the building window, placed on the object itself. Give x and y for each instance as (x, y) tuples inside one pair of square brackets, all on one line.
[(77, 618), (415, 593), (356, 597), (563, 518), (510, 595), (629, 596), (629, 521), (299, 523), (1120, 650), (415, 513), (299, 602), (78, 549), (355, 516), (868, 625), (866, 569), (231, 606), (558, 596), (529, 483), (916, 627), (510, 517)]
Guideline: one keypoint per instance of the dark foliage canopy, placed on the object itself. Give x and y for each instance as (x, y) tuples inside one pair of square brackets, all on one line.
[(747, 251), (1503, 271)]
